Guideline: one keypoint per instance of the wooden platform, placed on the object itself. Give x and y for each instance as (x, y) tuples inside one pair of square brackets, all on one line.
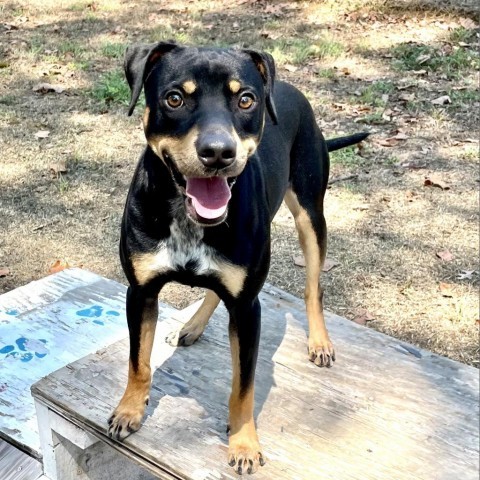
[(44, 326), (385, 411)]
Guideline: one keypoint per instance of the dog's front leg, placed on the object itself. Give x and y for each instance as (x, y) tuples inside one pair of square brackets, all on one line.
[(244, 452), (142, 313)]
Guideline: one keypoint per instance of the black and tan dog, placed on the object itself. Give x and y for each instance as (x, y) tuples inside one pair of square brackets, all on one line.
[(224, 149)]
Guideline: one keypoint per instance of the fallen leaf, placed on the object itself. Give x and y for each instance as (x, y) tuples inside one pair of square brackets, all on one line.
[(299, 261), (48, 87), (406, 97), (419, 72), (58, 266), (400, 136), (466, 275), (363, 206), (329, 263), (445, 255), (446, 289), (435, 181), (388, 142), (414, 164), (362, 317), (42, 134), (443, 100), (4, 271), (423, 58), (290, 68), (59, 167)]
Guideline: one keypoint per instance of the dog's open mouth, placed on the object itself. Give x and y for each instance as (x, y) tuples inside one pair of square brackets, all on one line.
[(207, 199)]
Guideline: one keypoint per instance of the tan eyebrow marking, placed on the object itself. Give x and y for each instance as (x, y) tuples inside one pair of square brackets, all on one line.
[(189, 86), (234, 86)]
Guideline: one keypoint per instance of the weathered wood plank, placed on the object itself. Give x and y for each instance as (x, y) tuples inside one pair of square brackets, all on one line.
[(16, 465), (44, 326), (386, 410)]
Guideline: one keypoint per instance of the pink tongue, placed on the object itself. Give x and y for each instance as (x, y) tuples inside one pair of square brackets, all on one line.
[(209, 196)]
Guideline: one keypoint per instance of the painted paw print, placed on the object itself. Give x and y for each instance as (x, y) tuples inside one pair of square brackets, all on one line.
[(97, 314), (25, 349)]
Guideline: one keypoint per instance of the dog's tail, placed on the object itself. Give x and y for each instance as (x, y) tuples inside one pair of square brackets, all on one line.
[(342, 142)]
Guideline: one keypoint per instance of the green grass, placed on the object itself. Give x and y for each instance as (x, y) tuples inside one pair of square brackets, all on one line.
[(112, 88), (7, 100), (346, 157), (71, 48), (413, 56), (469, 95), (298, 51), (462, 34), (372, 95), (113, 50)]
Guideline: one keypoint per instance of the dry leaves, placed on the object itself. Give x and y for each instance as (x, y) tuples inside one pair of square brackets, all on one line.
[(58, 266), (59, 167), (443, 100), (363, 316), (290, 68), (329, 264), (445, 255), (446, 289), (42, 134), (4, 271), (466, 274), (299, 261), (48, 87), (435, 181)]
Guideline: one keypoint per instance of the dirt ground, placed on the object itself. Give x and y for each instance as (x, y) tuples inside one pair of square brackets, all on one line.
[(402, 208)]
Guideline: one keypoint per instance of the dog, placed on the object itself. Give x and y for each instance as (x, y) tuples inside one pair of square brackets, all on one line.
[(226, 144)]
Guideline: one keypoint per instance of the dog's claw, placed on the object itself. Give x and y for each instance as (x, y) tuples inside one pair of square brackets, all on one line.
[(322, 355)]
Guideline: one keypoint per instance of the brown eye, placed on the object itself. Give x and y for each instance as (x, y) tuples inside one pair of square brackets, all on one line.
[(246, 101), (174, 100)]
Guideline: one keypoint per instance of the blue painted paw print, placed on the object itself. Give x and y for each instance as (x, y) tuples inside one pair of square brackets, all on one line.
[(96, 313), (25, 349)]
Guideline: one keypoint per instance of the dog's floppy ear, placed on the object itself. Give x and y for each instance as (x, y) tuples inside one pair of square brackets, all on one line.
[(266, 66), (139, 61)]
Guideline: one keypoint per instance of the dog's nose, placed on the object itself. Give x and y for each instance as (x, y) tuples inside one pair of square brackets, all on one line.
[(216, 149)]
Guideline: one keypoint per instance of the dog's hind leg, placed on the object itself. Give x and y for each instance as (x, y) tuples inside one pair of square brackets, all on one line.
[(312, 233), (193, 329)]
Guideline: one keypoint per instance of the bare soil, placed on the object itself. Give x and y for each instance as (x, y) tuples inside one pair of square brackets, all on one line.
[(376, 66)]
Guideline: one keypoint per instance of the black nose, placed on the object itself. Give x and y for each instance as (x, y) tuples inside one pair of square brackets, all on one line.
[(216, 149)]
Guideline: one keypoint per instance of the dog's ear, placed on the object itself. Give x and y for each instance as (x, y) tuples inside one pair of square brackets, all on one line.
[(139, 61), (266, 66)]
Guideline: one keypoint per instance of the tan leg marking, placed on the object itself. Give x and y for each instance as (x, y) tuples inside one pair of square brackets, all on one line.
[(189, 87), (244, 451), (320, 348), (194, 328), (232, 277), (144, 267), (128, 415)]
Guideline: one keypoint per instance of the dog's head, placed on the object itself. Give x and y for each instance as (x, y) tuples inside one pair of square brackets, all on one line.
[(204, 116)]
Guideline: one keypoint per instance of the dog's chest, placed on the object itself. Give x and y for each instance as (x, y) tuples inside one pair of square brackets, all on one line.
[(184, 250)]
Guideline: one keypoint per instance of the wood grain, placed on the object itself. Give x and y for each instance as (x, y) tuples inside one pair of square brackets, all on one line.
[(386, 409)]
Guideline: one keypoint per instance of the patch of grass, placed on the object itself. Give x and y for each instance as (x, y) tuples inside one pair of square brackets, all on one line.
[(113, 50), (112, 88), (375, 118), (372, 95), (346, 157), (464, 96), (7, 100), (462, 34), (298, 51), (62, 184), (471, 153), (328, 73), (414, 56), (167, 32), (72, 48)]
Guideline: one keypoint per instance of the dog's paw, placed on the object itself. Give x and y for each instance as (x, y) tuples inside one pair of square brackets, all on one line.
[(183, 337), (125, 420), (245, 457), (321, 354)]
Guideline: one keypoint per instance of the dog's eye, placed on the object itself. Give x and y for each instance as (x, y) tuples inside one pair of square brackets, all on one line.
[(246, 101), (174, 100)]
